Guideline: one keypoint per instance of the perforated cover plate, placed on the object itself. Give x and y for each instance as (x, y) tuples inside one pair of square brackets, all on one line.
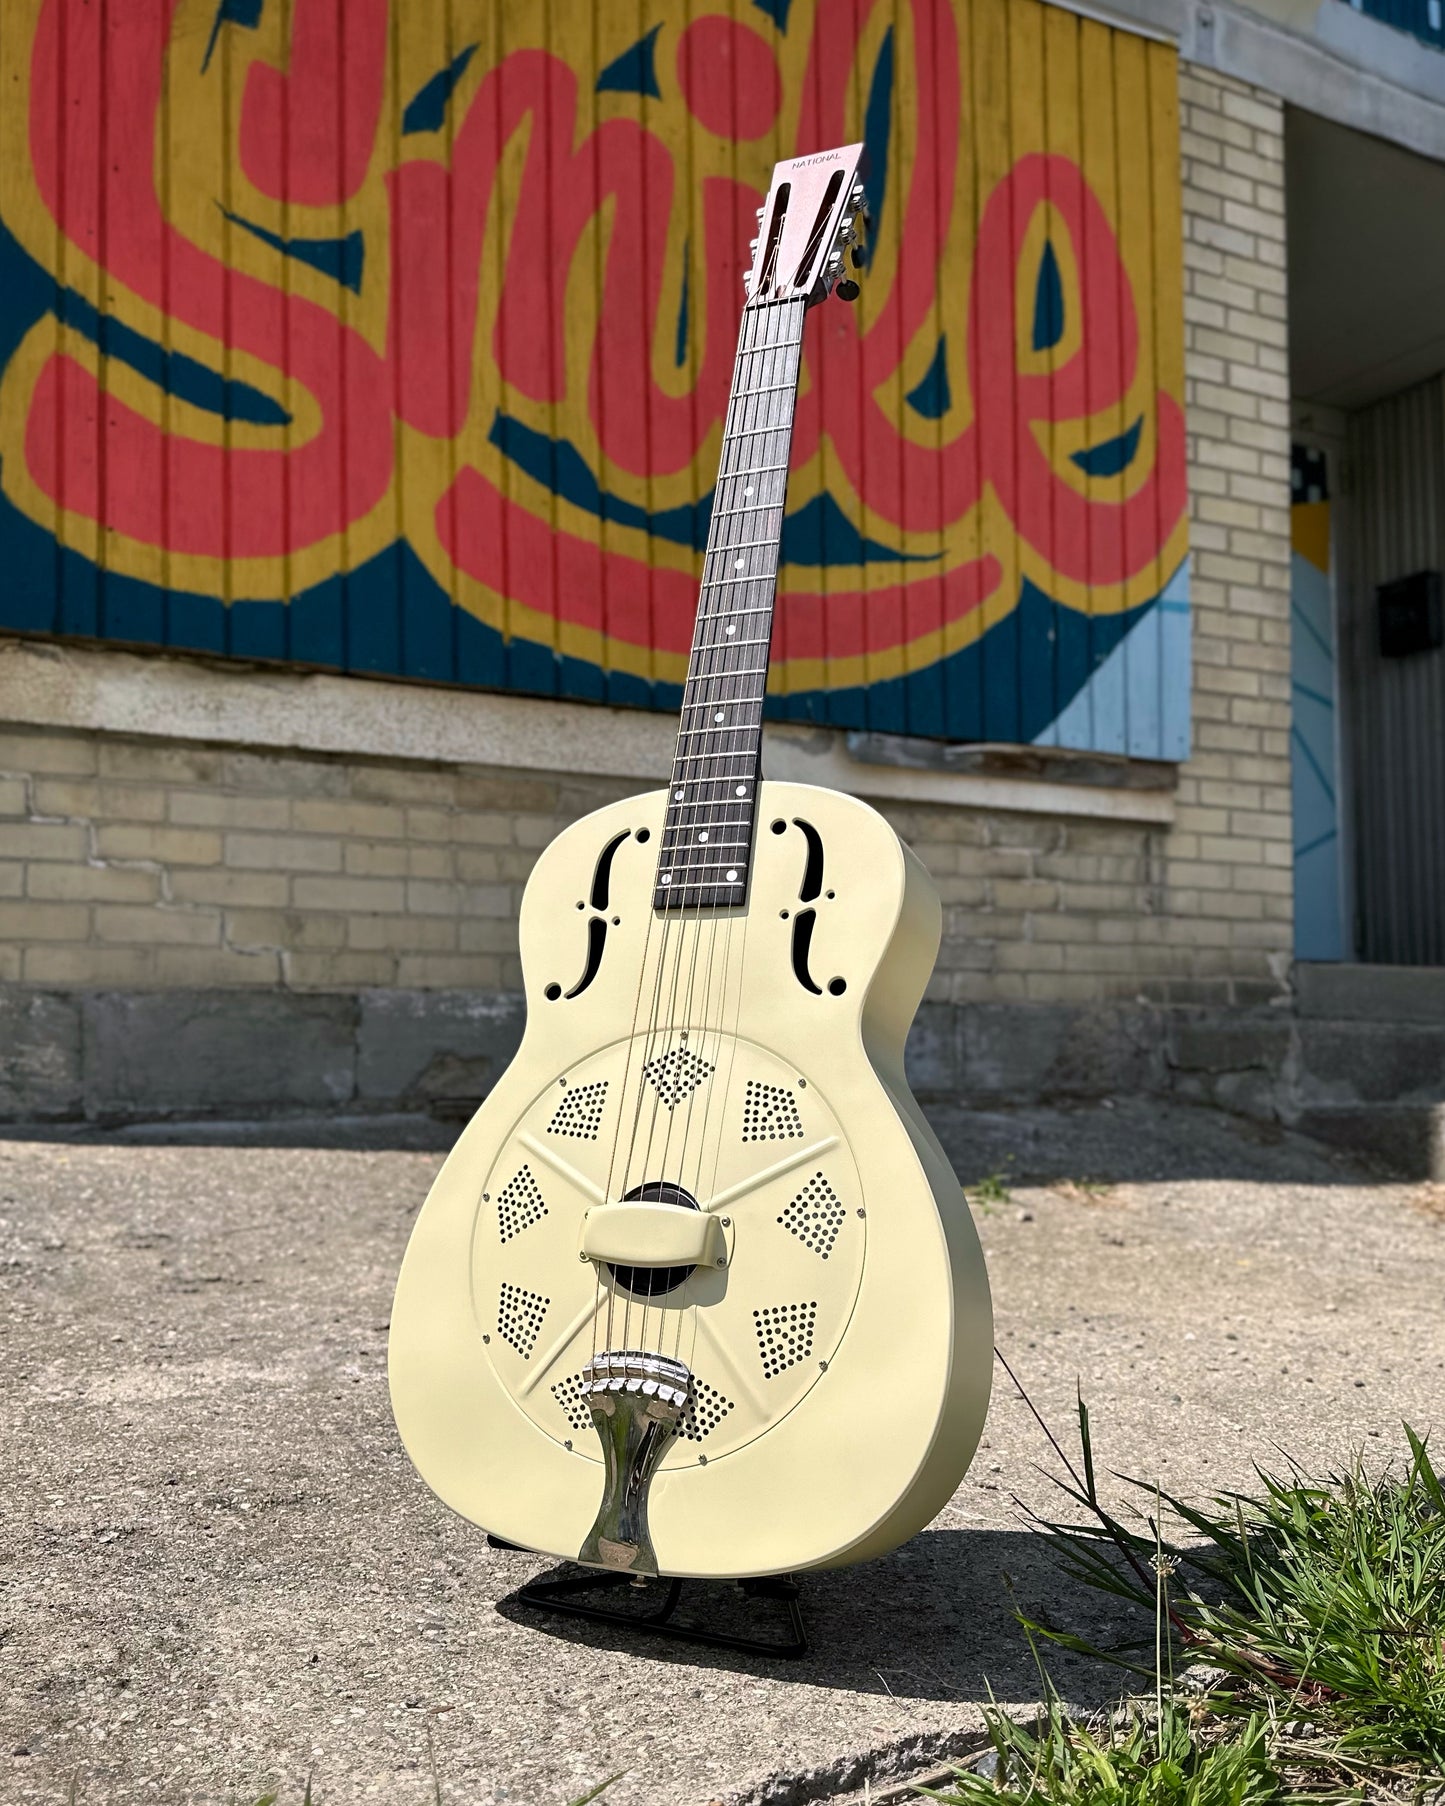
[(770, 1113), (815, 1216), (677, 1075), (520, 1315), (580, 1112), (519, 1204), (705, 1411), (767, 1154), (785, 1335)]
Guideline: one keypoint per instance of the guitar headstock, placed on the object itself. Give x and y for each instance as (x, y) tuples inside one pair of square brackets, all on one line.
[(811, 222)]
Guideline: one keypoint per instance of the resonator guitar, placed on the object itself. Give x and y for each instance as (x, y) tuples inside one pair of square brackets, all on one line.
[(696, 1293)]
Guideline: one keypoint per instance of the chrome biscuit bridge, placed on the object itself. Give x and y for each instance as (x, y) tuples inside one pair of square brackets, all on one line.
[(636, 1400)]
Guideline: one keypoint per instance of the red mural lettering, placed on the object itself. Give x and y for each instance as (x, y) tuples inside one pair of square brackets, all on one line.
[(208, 499), (307, 134)]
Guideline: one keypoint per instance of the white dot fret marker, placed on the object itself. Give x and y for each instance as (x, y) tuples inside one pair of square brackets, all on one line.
[(732, 877), (742, 790), (678, 795), (737, 564), (748, 490), (667, 877), (730, 629), (718, 716), (703, 835)]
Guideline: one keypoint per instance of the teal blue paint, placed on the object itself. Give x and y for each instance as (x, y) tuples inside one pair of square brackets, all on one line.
[(1048, 302), (679, 343), (777, 11), (820, 533), (342, 259), (635, 71), (245, 13), (560, 467), (877, 133), (1112, 456), (933, 397), (180, 376), (427, 109), (1313, 846)]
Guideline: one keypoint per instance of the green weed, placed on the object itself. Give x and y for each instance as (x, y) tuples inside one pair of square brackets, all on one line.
[(1315, 1604), (992, 1191), (1141, 1759)]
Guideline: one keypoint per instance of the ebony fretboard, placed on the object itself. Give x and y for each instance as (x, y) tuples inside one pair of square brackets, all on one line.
[(707, 838)]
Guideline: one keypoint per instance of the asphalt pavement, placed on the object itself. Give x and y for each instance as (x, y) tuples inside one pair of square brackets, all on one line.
[(220, 1573)]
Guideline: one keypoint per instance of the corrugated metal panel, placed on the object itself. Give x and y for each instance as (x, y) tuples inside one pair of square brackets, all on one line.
[(1396, 705), (395, 338)]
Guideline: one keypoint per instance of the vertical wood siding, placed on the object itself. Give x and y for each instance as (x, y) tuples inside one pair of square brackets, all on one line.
[(396, 338), (1396, 706)]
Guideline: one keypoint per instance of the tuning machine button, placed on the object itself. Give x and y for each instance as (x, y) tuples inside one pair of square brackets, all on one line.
[(846, 289)]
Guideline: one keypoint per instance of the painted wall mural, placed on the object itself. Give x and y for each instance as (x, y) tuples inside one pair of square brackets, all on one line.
[(396, 339)]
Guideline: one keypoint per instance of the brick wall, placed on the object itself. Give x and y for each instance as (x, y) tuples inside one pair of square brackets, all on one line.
[(130, 863)]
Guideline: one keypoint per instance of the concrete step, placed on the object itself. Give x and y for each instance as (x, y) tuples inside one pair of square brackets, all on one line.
[(1370, 993)]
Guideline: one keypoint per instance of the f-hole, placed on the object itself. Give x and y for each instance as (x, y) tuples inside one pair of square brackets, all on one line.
[(602, 877), (802, 940), (597, 927), (813, 870), (805, 919)]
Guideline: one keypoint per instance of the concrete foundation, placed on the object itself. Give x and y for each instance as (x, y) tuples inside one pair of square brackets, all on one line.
[(111, 1058)]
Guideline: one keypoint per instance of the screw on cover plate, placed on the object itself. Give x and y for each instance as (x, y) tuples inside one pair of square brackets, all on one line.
[(822, 1366), (726, 1222), (486, 1338)]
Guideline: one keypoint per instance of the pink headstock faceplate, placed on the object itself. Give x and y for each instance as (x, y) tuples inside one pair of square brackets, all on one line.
[(807, 221)]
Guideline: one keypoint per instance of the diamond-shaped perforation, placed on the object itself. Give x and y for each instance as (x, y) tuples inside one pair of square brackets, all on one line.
[(785, 1335), (770, 1113), (519, 1205), (568, 1394), (580, 1112), (815, 1216), (706, 1409), (519, 1318), (677, 1075)]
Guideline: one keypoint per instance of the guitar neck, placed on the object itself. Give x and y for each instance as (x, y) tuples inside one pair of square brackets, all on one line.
[(708, 832)]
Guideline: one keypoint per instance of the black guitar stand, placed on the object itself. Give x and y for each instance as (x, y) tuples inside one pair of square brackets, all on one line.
[(560, 1598)]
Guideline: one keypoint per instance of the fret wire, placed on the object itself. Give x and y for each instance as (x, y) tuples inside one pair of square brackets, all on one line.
[(767, 365), (745, 545), (705, 865), (751, 508)]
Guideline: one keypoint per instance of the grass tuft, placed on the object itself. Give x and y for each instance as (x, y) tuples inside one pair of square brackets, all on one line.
[(1316, 1604), (1139, 1759)]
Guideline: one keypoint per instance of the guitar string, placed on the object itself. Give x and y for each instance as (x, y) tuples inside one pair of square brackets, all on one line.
[(770, 413), (728, 689), (713, 672), (779, 384), (712, 664), (746, 332)]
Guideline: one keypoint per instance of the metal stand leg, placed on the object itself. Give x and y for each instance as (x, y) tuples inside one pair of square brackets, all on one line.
[(559, 1598)]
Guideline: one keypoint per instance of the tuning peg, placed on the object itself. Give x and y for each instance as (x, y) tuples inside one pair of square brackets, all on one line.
[(846, 289), (762, 212), (753, 247), (859, 256)]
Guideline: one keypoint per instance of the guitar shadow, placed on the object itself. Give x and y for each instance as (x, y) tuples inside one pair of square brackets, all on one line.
[(934, 1620)]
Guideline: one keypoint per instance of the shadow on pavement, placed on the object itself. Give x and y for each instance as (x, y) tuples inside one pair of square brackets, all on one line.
[(933, 1620)]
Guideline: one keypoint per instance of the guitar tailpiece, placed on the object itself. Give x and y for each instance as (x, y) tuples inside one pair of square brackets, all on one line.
[(636, 1400)]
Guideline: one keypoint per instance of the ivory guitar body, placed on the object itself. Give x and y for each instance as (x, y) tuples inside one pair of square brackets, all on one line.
[(835, 1320)]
